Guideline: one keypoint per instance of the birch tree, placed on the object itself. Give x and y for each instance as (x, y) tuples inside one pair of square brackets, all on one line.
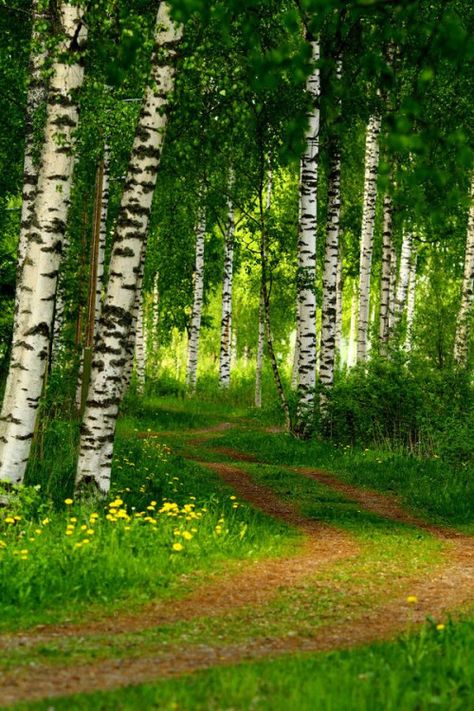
[(388, 255), (225, 355), (140, 350), (403, 279), (306, 275), (261, 315), (411, 299), (195, 328), (367, 233), (43, 246), (98, 427), (463, 331)]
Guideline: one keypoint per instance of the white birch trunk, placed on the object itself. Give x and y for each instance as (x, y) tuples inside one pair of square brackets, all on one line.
[(339, 307), (367, 234), (226, 321), (36, 97), (306, 277), (331, 262), (403, 279), (43, 248), (411, 304), (140, 362), (260, 350), (388, 253), (195, 329), (463, 331), (102, 237), (352, 348), (110, 360)]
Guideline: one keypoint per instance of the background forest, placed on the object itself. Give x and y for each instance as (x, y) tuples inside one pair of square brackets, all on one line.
[(257, 211)]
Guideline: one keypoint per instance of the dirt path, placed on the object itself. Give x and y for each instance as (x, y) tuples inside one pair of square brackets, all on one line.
[(445, 590)]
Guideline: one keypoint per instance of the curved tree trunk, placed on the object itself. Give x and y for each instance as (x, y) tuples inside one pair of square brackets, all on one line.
[(110, 360), (388, 253), (195, 331), (306, 276), (463, 332), (37, 287), (226, 322), (367, 234)]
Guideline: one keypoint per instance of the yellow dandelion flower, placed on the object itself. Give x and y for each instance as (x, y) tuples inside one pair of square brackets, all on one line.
[(412, 599), (232, 498), (69, 533), (85, 541), (126, 528), (90, 531), (17, 518), (68, 502), (38, 531), (31, 540), (78, 545), (440, 627), (187, 535), (178, 547), (235, 506), (3, 544), (23, 557), (73, 519), (83, 527), (45, 521), (9, 520)]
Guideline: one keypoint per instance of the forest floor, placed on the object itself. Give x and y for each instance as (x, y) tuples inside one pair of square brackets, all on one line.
[(359, 568)]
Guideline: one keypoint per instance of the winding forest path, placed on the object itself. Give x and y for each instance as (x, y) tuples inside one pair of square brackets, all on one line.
[(447, 587)]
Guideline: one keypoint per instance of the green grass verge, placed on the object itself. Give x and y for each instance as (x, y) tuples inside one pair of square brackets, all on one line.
[(420, 672)]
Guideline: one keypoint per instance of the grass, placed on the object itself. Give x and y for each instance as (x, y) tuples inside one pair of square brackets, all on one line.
[(419, 672)]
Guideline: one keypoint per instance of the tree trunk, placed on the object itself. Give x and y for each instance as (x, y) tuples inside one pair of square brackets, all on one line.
[(195, 330), (388, 253), (330, 283), (367, 234), (36, 97), (140, 359), (339, 306), (226, 322), (463, 332), (352, 348), (260, 350), (411, 304), (403, 279), (306, 276), (37, 287), (110, 360)]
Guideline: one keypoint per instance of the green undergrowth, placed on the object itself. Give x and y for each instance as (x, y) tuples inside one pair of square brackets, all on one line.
[(171, 522), (429, 486), (419, 672)]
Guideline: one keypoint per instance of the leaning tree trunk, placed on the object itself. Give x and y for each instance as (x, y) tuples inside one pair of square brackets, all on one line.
[(96, 274), (463, 332), (367, 234), (37, 287), (306, 275), (226, 321), (36, 97), (388, 254), (403, 280), (411, 304), (330, 283), (110, 360), (195, 330)]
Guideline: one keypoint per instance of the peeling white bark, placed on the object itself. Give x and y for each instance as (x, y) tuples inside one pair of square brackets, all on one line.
[(388, 253), (195, 329), (111, 357), (226, 321), (306, 276), (43, 248), (367, 234), (411, 303), (403, 279), (463, 331)]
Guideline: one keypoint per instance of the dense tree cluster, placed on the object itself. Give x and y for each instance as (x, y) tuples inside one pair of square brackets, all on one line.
[(205, 187)]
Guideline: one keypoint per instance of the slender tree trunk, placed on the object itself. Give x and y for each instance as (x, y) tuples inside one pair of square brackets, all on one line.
[(306, 276), (260, 350), (411, 304), (140, 359), (37, 285), (331, 262), (110, 360), (403, 279), (352, 348), (104, 209), (296, 355), (339, 305), (94, 292), (226, 322), (36, 97), (195, 331), (388, 254), (393, 289), (463, 332), (367, 234), (261, 314)]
